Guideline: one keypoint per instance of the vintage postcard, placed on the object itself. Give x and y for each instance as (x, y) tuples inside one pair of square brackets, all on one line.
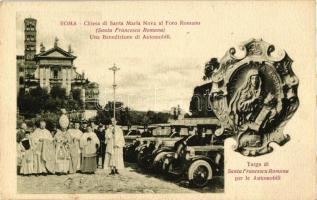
[(158, 99)]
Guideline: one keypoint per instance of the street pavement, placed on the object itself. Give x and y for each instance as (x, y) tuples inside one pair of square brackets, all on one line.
[(131, 180)]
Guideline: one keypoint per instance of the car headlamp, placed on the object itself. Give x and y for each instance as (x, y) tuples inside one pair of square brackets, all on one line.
[(190, 150), (187, 156), (176, 155), (217, 159), (165, 164)]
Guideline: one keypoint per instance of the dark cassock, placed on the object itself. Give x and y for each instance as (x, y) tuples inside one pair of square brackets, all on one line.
[(100, 132)]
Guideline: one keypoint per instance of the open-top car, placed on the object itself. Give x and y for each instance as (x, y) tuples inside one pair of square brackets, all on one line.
[(167, 146), (196, 158), (132, 135), (154, 150), (164, 135), (137, 136)]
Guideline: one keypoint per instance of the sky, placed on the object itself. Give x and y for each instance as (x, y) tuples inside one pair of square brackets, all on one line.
[(157, 74)]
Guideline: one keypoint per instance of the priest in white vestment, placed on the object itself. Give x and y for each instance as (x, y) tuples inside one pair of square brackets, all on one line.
[(114, 150), (36, 140), (75, 149)]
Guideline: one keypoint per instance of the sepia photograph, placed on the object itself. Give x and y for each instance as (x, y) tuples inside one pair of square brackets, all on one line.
[(158, 100), (68, 142)]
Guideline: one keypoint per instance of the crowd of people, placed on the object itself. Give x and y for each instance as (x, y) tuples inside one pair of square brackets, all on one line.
[(73, 148)]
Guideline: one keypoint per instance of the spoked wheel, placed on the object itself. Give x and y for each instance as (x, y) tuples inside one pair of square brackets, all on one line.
[(140, 159), (166, 166), (199, 173), (144, 160), (158, 162)]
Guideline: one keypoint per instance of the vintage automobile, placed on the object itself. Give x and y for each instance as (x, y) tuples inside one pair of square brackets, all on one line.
[(148, 150), (152, 152), (196, 158), (132, 135), (133, 139), (167, 146)]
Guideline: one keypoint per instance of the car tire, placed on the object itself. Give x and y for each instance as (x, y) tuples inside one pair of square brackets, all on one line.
[(158, 161), (166, 166), (200, 172), (140, 159)]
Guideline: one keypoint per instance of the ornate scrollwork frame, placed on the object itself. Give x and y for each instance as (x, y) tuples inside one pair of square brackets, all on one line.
[(254, 95)]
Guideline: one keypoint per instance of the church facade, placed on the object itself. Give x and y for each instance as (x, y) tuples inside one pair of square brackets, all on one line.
[(49, 68)]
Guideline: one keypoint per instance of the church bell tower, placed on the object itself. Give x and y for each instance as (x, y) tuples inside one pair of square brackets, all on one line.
[(30, 39)]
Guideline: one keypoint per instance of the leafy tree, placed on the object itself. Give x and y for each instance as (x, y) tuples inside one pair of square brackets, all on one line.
[(128, 117), (53, 104), (146, 120), (58, 92), (32, 103), (38, 101)]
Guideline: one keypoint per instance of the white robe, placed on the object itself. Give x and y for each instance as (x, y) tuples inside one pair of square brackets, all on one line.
[(36, 140), (62, 154), (114, 151), (76, 135), (89, 148)]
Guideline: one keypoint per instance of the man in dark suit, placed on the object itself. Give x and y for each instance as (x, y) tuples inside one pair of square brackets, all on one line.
[(100, 132)]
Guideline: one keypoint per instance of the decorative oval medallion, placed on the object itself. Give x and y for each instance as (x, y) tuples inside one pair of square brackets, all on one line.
[(254, 96)]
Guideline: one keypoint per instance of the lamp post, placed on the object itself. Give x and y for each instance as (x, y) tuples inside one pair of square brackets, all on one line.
[(114, 69)]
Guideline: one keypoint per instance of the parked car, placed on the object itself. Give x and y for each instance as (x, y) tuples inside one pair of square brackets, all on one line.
[(165, 136), (132, 135), (150, 154), (196, 160), (131, 149), (163, 148), (137, 136)]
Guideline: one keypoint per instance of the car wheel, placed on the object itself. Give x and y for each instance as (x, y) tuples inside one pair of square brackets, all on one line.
[(140, 159), (166, 166), (199, 173), (158, 161)]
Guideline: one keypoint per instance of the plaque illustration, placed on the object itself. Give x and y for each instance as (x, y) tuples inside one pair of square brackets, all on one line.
[(254, 95)]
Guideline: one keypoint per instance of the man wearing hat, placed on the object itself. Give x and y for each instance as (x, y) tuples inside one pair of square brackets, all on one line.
[(63, 143), (83, 126), (100, 132)]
